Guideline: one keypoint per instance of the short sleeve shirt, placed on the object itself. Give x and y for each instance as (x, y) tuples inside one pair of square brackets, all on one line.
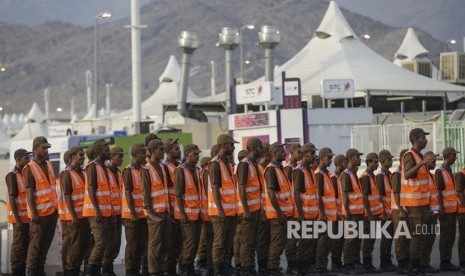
[(12, 184)]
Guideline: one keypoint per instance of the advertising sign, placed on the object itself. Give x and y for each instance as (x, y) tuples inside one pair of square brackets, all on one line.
[(254, 92), (337, 89)]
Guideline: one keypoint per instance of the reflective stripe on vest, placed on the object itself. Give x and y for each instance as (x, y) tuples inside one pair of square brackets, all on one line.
[(138, 198), (171, 190), (286, 203), (115, 188), (329, 196), (388, 193), (20, 201), (77, 196), (204, 196), (310, 196), (415, 191), (190, 199), (103, 193), (376, 207), (45, 195), (159, 191), (227, 191), (449, 195), (355, 197), (252, 189)]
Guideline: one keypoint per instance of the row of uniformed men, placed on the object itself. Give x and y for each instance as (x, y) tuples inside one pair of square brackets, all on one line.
[(261, 186)]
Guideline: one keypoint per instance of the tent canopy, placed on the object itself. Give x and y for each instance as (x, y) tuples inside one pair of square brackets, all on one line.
[(335, 52), (411, 47), (166, 94)]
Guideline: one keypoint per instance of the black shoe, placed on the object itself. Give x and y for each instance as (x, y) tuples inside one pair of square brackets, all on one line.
[(388, 267), (292, 268), (336, 265), (448, 266)]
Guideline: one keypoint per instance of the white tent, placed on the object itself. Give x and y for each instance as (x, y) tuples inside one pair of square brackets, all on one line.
[(35, 114), (335, 52), (411, 49), (166, 94)]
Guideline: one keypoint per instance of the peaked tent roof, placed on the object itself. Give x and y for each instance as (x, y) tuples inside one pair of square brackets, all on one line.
[(335, 52), (411, 47), (166, 94), (35, 114)]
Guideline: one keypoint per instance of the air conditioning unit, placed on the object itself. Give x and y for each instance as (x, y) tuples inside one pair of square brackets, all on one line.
[(421, 67), (452, 65)]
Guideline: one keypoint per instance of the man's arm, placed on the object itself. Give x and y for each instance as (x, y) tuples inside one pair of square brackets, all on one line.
[(298, 183), (242, 173), (346, 189), (460, 187), (441, 187), (30, 189), (67, 191), (214, 174), (320, 185), (13, 193), (411, 168), (92, 189), (180, 192), (128, 188), (366, 190)]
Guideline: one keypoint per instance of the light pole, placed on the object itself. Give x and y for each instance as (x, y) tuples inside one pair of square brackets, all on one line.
[(451, 42), (97, 18), (245, 27), (2, 72)]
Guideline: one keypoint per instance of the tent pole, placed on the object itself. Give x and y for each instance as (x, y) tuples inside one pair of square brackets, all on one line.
[(444, 103)]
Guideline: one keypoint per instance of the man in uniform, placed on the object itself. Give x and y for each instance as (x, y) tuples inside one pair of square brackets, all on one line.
[(132, 213), (383, 183), (173, 154), (432, 219), (447, 198), (415, 194), (291, 243), (75, 227), (41, 202), (460, 182), (17, 213), (116, 184), (340, 162), (222, 203), (373, 209), (249, 197), (327, 208), (237, 237), (278, 206), (204, 253), (352, 209), (157, 209), (306, 204), (263, 240), (402, 244), (188, 207), (97, 205)]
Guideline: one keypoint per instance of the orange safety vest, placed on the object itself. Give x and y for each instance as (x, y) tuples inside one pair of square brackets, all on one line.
[(292, 167), (20, 201), (45, 194), (434, 202), (355, 197), (103, 193), (77, 196), (459, 202), (137, 196), (261, 170), (449, 194), (310, 196), (415, 191), (252, 189), (376, 207), (284, 197), (227, 191), (388, 194), (329, 196), (204, 197), (191, 199), (339, 192), (159, 191), (393, 201), (171, 190), (115, 188)]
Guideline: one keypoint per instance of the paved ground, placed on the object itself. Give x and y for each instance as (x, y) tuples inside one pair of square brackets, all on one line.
[(119, 269)]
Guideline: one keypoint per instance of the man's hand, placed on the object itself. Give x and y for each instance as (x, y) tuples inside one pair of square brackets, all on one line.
[(323, 217), (246, 215), (155, 218), (281, 217), (402, 214), (35, 218), (98, 216), (75, 222), (183, 217), (133, 216), (428, 159), (221, 214)]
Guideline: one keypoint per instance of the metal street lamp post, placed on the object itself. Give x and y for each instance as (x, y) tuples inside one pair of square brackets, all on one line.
[(97, 18), (245, 27)]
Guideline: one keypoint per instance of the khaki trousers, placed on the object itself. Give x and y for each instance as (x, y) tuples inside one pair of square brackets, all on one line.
[(40, 239)]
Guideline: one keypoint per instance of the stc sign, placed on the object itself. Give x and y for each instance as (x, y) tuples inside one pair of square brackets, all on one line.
[(337, 89), (256, 92)]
